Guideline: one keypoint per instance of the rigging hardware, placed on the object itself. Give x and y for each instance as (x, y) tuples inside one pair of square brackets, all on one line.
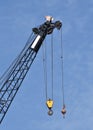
[(52, 73), (63, 111), (49, 104)]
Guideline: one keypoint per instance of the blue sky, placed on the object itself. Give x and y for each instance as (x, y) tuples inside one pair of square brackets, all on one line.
[(28, 110)]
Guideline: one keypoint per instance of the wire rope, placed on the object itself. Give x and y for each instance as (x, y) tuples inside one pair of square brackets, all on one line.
[(45, 68), (52, 66), (44, 48), (62, 68)]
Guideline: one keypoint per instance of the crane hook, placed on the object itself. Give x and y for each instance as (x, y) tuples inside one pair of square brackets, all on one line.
[(49, 104), (63, 111)]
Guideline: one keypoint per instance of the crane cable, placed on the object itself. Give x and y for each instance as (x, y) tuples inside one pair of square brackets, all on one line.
[(62, 69), (52, 74), (45, 66), (52, 65), (44, 48)]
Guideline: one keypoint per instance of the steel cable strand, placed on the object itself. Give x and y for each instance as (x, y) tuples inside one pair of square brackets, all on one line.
[(62, 69), (45, 66), (52, 66)]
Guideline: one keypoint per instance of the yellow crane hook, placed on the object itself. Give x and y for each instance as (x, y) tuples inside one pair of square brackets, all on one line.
[(49, 104)]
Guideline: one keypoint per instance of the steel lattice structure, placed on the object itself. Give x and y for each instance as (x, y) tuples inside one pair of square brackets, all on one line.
[(18, 70)]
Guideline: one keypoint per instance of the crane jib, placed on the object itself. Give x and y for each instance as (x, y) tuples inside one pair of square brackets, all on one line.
[(21, 65)]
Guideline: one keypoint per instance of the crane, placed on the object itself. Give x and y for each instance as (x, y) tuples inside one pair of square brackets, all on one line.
[(15, 74)]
